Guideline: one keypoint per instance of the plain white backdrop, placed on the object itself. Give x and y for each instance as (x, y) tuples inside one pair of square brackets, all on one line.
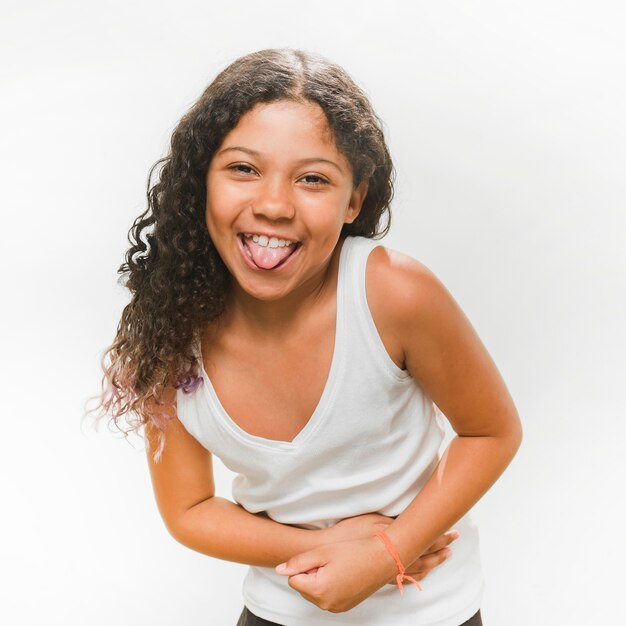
[(506, 124)]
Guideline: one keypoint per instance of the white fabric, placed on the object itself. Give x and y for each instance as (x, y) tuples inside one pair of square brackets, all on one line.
[(370, 446)]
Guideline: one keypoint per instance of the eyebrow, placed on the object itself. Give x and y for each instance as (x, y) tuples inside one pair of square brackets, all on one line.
[(300, 162)]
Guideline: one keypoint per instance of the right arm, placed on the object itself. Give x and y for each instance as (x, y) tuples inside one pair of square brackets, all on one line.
[(185, 494)]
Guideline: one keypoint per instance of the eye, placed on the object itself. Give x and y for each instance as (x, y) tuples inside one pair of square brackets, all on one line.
[(318, 180), (239, 167)]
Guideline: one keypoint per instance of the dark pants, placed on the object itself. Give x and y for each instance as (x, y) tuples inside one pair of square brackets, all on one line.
[(249, 619)]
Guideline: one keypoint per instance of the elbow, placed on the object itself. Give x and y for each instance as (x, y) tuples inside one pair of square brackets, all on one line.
[(519, 432), (187, 526), (176, 529), (186, 534), (515, 437), (512, 432), (176, 524)]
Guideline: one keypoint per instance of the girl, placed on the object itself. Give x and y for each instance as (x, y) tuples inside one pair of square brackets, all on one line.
[(268, 327)]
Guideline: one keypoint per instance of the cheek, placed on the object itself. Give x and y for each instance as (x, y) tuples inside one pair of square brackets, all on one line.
[(224, 201), (328, 207), (215, 222), (218, 210), (332, 218)]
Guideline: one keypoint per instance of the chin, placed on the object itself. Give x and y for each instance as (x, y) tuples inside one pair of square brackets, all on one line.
[(265, 294)]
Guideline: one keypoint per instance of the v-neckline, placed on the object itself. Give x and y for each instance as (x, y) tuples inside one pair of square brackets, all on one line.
[(329, 387)]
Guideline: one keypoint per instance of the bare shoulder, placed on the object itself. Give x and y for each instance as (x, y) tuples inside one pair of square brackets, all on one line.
[(440, 347), (398, 287), (405, 286), (386, 264)]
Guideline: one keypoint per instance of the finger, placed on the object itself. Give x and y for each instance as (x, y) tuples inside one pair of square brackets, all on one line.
[(302, 563), (303, 582), (445, 540), (428, 562), (313, 599)]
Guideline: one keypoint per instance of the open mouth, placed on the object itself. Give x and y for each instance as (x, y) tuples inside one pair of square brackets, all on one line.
[(267, 253)]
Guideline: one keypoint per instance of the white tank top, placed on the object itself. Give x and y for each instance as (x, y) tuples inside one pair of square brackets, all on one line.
[(370, 446)]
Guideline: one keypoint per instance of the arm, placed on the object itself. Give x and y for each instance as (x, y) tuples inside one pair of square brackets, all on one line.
[(468, 468), (225, 530), (185, 493), (445, 355)]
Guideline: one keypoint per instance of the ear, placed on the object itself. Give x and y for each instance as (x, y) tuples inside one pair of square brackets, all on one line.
[(356, 202)]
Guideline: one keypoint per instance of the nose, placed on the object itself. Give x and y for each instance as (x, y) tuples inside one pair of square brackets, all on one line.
[(274, 200)]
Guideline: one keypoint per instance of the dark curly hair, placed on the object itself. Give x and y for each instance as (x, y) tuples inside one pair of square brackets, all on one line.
[(176, 277)]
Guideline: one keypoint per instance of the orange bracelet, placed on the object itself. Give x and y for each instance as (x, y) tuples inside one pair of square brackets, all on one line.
[(383, 537)]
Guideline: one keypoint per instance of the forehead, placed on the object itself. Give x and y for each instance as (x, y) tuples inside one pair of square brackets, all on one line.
[(285, 121)]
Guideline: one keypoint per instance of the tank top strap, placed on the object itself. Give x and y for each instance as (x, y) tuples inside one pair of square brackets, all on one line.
[(362, 329), (360, 248)]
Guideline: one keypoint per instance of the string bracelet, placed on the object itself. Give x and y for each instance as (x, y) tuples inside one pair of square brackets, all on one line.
[(401, 569)]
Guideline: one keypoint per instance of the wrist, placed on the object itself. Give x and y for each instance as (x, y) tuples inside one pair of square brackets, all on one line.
[(404, 552), (333, 534), (385, 563), (321, 537), (401, 567)]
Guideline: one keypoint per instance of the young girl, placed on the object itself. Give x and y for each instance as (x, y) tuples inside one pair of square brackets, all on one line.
[(267, 326)]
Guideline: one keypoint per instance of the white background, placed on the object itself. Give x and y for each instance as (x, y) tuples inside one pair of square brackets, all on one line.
[(506, 123)]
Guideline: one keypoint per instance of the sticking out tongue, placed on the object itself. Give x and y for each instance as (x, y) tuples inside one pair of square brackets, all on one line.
[(266, 257)]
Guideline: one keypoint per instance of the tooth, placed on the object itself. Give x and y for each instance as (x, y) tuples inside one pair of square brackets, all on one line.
[(255, 238), (273, 242), (263, 240), (282, 243)]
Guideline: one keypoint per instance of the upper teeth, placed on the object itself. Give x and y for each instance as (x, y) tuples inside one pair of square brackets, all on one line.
[(272, 242)]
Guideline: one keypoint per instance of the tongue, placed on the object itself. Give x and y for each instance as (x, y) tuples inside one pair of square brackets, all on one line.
[(266, 257)]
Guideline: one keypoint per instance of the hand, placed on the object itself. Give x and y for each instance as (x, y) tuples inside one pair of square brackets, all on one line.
[(366, 525), (357, 527), (338, 576), (430, 558)]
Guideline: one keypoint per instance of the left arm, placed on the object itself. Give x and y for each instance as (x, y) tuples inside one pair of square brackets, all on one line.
[(444, 354)]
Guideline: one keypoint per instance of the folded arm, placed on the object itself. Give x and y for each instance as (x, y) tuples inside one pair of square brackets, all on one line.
[(444, 354), (185, 493)]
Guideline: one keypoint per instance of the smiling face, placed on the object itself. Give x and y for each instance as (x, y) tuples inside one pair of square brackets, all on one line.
[(278, 194)]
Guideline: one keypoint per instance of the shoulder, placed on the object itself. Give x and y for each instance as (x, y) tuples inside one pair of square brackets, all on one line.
[(402, 293), (441, 348), (403, 286), (387, 264)]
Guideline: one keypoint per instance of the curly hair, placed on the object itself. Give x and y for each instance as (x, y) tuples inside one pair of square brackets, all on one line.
[(176, 277)]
